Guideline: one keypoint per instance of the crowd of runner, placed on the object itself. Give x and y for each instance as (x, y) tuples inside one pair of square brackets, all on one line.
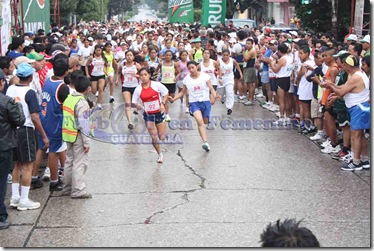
[(310, 81)]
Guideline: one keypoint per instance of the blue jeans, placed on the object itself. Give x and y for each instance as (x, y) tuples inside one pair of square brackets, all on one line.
[(6, 162)]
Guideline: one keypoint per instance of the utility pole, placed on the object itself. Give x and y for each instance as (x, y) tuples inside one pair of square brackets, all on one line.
[(101, 10)]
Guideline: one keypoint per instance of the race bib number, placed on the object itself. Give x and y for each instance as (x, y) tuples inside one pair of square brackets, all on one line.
[(152, 106), (199, 60), (167, 75), (129, 78)]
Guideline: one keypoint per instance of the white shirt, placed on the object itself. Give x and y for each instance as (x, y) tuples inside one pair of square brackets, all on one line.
[(85, 54), (305, 90), (198, 88)]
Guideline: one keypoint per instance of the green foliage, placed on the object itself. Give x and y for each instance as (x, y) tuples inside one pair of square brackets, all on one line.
[(316, 15), (197, 14)]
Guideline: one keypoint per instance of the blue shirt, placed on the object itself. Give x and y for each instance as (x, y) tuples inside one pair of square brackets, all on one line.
[(267, 54), (173, 49)]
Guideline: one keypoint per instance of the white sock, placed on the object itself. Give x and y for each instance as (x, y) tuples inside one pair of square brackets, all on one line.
[(15, 191), (111, 97), (24, 193)]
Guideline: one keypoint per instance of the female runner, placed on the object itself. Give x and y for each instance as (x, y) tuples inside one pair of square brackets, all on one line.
[(112, 64)]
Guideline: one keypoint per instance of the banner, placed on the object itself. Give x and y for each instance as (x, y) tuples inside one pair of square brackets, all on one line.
[(36, 15), (214, 12), (5, 25), (181, 11), (359, 17)]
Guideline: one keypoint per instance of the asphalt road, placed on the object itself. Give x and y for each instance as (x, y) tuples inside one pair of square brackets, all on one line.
[(223, 198)]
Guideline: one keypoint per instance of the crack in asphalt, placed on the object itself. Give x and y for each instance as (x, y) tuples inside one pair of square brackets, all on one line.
[(202, 183), (184, 197), (185, 193)]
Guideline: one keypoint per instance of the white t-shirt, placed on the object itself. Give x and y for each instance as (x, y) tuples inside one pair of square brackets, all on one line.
[(198, 88), (305, 90), (85, 54)]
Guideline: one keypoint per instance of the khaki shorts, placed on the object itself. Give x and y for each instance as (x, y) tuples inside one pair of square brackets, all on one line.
[(249, 75), (315, 110)]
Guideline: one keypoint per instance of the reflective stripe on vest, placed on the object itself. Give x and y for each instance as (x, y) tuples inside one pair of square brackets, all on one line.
[(69, 129)]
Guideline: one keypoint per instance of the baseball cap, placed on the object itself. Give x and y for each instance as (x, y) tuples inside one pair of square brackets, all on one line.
[(352, 37), (352, 61), (23, 59), (24, 70), (129, 38), (340, 53), (46, 56), (294, 33), (90, 39), (36, 56), (322, 49), (196, 40), (275, 42), (366, 39), (232, 40), (122, 43)]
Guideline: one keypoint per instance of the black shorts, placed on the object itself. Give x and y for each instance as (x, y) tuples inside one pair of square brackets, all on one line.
[(330, 110), (284, 83), (156, 117), (273, 84), (236, 72), (26, 145), (171, 87), (128, 89), (306, 101), (97, 78)]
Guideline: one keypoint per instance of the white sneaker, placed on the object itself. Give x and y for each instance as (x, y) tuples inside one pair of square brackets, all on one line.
[(160, 158), (28, 205), (278, 114), (260, 95), (331, 149), (9, 179), (47, 174), (14, 203), (249, 103), (326, 143), (347, 158), (274, 108), (167, 118), (97, 94), (206, 146), (187, 110), (317, 136)]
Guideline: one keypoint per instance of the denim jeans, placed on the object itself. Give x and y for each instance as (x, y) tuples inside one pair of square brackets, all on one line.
[(6, 162)]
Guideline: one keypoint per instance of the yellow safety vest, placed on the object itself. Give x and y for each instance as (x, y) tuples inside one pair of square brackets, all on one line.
[(69, 128)]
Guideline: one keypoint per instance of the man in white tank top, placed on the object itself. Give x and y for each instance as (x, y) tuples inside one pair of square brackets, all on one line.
[(356, 95)]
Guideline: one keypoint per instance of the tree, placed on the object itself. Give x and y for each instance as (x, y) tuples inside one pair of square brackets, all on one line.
[(316, 15), (116, 7)]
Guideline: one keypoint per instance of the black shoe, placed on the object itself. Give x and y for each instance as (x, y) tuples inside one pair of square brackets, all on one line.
[(135, 112), (111, 100), (4, 224), (229, 111), (36, 183), (55, 186), (130, 126)]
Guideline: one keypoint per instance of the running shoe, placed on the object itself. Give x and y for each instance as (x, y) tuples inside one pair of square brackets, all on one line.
[(130, 126), (167, 118), (274, 108), (339, 155), (347, 158), (350, 166), (135, 112), (55, 186), (47, 174), (111, 100), (331, 149), (160, 158), (249, 103), (229, 111), (317, 136), (278, 114), (28, 205), (97, 94), (14, 203), (365, 164), (206, 146), (260, 95), (36, 183), (187, 110), (9, 179), (326, 143)]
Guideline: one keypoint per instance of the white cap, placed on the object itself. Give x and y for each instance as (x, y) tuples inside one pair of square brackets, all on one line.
[(129, 38), (232, 40), (366, 39), (352, 37), (293, 33)]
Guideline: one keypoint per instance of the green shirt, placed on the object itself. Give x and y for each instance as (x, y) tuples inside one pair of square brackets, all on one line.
[(341, 79)]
